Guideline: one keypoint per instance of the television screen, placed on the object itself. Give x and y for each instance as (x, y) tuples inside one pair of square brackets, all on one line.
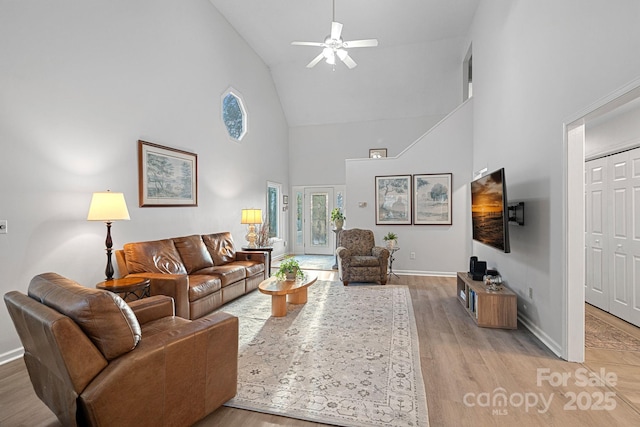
[(489, 210)]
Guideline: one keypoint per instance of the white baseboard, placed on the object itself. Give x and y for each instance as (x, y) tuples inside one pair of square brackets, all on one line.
[(425, 273), (541, 335), (12, 355)]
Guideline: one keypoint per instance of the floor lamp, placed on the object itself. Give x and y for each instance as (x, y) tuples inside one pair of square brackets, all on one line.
[(251, 217), (108, 207)]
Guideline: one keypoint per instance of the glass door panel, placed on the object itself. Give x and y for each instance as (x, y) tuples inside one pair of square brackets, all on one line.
[(317, 208)]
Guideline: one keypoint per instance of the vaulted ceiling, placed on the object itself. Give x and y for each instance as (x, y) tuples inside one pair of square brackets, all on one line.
[(421, 44)]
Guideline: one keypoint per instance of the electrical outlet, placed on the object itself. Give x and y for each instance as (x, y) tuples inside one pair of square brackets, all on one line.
[(530, 293), (412, 255), (3, 226)]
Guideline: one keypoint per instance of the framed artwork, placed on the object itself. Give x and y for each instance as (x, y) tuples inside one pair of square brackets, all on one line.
[(166, 176), (377, 153), (432, 199), (393, 199)]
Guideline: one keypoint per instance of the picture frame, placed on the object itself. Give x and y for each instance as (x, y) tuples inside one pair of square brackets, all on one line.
[(432, 199), (377, 153), (166, 176), (393, 200)]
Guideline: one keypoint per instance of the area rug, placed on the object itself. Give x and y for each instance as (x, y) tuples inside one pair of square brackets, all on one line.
[(312, 262), (348, 357), (601, 334)]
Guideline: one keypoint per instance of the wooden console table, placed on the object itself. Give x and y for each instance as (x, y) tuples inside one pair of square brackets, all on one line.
[(489, 309)]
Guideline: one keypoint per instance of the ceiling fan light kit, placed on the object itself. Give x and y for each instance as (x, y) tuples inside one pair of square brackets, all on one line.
[(333, 46)]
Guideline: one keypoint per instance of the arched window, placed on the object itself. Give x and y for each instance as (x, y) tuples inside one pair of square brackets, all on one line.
[(234, 114)]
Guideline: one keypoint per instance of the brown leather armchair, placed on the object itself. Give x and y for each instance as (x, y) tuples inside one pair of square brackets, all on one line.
[(359, 259), (95, 360)]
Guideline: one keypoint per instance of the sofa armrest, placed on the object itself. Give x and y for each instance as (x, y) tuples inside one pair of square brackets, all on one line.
[(152, 308), (251, 256), (171, 378), (175, 286)]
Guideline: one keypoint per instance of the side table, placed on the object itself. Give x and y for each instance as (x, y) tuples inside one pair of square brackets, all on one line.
[(392, 251), (129, 287), (267, 250)]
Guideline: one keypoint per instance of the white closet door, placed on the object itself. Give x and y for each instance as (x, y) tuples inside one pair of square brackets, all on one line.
[(624, 237), (596, 274)]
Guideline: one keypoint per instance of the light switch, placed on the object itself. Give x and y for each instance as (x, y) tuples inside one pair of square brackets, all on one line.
[(3, 226)]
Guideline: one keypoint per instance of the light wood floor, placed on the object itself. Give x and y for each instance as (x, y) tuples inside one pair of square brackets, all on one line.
[(458, 359)]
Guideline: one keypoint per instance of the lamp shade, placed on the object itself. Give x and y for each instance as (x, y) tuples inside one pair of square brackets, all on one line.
[(251, 216), (108, 206)]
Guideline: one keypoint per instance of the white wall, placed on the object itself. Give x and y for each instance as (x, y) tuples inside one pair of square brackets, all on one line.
[(619, 132), (535, 65), (447, 148), (318, 152), (81, 82)]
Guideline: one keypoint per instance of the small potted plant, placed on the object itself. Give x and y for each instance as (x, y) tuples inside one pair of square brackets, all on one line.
[(337, 218), (391, 239), (289, 270)]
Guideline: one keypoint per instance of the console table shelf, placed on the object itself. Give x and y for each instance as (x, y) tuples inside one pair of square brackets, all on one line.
[(489, 309)]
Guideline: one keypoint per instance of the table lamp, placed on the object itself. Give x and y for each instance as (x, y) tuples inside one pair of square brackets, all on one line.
[(251, 217), (108, 207)]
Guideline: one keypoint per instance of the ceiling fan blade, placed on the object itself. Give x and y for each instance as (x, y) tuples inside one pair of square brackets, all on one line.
[(336, 30), (361, 43), (315, 61), (308, 44), (344, 57)]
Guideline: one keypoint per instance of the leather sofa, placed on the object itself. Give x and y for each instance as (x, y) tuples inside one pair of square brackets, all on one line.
[(200, 272), (95, 360)]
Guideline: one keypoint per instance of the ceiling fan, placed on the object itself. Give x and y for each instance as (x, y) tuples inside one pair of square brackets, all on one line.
[(333, 46)]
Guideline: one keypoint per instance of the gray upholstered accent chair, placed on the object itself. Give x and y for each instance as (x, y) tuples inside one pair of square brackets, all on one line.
[(359, 259)]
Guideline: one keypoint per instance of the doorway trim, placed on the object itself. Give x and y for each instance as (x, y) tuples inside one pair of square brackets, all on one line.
[(574, 214)]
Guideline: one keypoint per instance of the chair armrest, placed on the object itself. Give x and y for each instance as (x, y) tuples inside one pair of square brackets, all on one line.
[(343, 252), (380, 252), (152, 308), (172, 378)]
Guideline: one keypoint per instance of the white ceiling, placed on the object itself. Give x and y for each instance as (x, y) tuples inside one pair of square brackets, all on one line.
[(412, 35)]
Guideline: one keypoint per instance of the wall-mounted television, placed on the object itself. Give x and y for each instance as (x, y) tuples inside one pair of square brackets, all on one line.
[(489, 210)]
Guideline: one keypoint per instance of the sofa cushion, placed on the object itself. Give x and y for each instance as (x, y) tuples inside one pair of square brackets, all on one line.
[(103, 316), (252, 267), (220, 246), (228, 273), (193, 253), (157, 256), (201, 285)]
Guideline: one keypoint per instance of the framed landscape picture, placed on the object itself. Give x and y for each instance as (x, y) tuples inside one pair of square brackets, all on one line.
[(377, 153), (166, 176), (432, 199), (393, 199)]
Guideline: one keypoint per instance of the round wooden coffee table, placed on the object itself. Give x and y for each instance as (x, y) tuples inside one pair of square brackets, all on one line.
[(281, 291), (128, 287)]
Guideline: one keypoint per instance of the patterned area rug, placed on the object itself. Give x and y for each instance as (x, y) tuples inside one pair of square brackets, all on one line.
[(312, 262), (348, 357), (600, 334)]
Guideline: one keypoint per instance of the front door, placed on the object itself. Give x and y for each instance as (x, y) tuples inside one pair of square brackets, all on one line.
[(318, 203)]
